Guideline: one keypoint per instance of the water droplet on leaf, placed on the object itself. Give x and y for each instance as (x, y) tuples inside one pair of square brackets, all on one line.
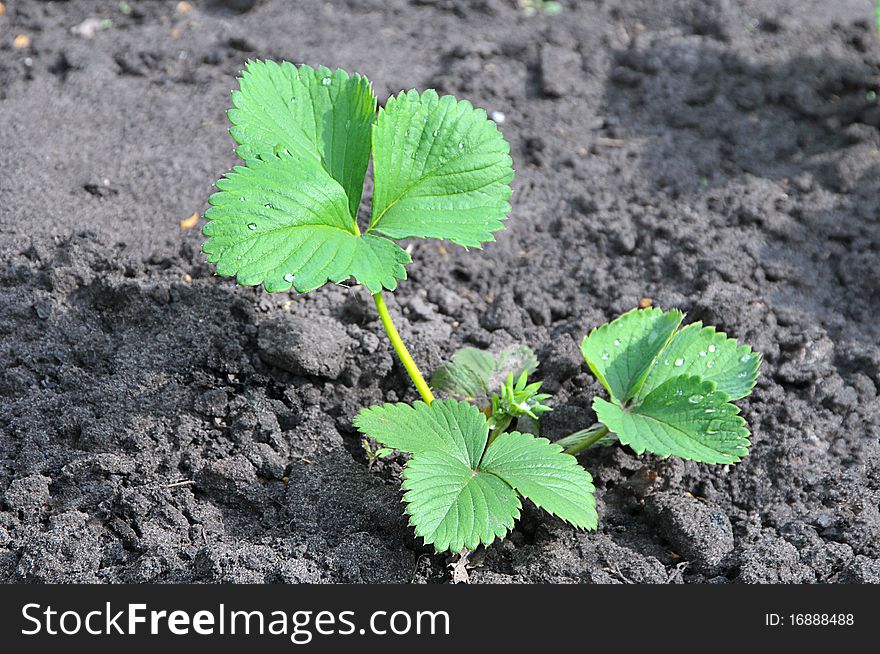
[(679, 362), (288, 277), (711, 348), (326, 81), (252, 226)]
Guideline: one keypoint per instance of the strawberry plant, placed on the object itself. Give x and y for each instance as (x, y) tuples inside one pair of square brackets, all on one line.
[(288, 219)]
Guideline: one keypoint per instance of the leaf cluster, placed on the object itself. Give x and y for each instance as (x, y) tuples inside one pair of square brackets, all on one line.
[(287, 218)]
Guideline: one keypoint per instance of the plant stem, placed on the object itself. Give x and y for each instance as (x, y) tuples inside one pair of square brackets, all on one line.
[(400, 348), (581, 440)]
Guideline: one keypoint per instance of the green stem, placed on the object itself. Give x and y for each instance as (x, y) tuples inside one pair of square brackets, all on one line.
[(400, 348), (581, 440)]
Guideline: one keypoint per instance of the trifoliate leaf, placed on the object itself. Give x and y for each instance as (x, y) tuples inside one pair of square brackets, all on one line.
[(453, 506), (327, 115), (454, 500), (710, 355), (540, 471), (283, 221), (456, 428), (475, 374), (671, 391), (441, 168), (621, 352), (684, 416)]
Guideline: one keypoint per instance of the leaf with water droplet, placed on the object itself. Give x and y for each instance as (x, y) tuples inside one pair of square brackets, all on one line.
[(671, 388), (332, 124), (450, 179), (621, 352), (711, 355), (305, 240), (684, 416)]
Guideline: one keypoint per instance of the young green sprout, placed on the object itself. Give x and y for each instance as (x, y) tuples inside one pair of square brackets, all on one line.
[(288, 219)]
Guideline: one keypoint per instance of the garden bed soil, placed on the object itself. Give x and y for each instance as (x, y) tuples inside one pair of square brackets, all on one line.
[(160, 424)]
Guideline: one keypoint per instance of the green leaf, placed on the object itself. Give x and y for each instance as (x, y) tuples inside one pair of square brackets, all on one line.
[(621, 352), (467, 376), (453, 506), (455, 428), (454, 500), (283, 221), (710, 355), (441, 168), (473, 374), (318, 113), (540, 471), (684, 416)]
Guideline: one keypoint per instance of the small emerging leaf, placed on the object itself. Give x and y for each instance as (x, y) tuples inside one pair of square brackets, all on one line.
[(474, 374)]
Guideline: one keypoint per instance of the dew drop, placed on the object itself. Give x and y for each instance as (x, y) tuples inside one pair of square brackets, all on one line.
[(745, 358), (711, 348), (288, 277), (268, 206), (241, 199), (326, 81), (695, 399), (605, 356), (435, 132), (679, 362), (617, 342), (742, 374), (252, 226), (461, 145), (710, 364), (709, 411), (702, 354)]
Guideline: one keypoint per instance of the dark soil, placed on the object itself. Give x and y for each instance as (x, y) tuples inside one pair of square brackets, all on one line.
[(156, 424)]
